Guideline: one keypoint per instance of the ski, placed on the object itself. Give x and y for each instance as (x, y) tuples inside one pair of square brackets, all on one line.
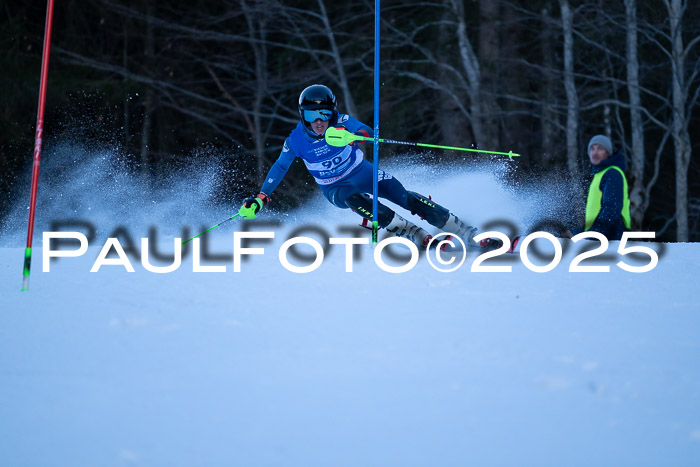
[(515, 245), (488, 244)]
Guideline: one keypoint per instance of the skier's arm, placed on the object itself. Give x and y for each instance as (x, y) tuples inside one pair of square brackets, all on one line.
[(611, 202), (279, 169), (353, 125)]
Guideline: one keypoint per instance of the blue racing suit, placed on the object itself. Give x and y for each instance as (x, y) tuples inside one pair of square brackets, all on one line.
[(341, 172)]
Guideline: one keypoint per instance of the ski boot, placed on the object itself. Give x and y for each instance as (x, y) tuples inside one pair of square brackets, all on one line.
[(408, 230), (467, 232), (455, 226)]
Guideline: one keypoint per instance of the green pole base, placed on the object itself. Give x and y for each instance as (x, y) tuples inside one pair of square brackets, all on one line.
[(27, 267)]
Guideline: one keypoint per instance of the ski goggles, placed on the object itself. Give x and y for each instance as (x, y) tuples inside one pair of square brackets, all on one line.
[(313, 115)]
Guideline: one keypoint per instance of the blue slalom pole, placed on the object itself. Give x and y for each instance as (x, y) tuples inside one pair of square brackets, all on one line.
[(375, 177)]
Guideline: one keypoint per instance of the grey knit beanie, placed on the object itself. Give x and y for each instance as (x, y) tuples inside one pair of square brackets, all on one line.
[(603, 141)]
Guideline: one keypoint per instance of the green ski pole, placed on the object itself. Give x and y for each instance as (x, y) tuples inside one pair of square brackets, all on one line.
[(342, 137), (210, 228)]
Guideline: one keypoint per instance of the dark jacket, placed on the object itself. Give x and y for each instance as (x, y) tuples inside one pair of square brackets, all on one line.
[(609, 221)]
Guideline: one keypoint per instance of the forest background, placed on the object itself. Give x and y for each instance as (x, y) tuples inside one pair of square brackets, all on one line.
[(171, 82)]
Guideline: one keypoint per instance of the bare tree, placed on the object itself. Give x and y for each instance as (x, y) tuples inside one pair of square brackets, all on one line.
[(489, 65), (680, 92), (454, 77), (472, 70), (638, 200), (257, 29), (337, 59), (572, 113), (149, 98), (546, 43)]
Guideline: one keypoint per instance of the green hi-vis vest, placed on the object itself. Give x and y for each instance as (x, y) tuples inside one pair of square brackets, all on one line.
[(595, 195)]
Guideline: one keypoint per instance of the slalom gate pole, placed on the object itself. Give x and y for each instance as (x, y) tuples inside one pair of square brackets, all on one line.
[(210, 228), (38, 137), (375, 176), (342, 137)]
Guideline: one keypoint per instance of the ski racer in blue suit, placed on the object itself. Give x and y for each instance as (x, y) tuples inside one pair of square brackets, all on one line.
[(345, 177)]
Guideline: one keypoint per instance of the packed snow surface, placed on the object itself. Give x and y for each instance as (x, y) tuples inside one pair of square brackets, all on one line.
[(267, 367)]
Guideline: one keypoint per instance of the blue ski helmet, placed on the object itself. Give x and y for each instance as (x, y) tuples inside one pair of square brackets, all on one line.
[(313, 101)]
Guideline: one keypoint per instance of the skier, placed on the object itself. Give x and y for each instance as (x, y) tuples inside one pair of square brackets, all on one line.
[(345, 178)]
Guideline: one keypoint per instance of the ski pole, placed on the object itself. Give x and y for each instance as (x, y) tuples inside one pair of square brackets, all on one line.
[(375, 159), (211, 228), (342, 137)]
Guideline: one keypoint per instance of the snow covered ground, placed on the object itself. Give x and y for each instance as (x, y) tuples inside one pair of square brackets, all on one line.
[(265, 367)]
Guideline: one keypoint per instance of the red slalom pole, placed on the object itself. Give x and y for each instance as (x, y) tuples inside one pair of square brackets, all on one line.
[(37, 142)]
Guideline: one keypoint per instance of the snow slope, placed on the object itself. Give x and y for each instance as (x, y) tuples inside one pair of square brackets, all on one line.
[(266, 367)]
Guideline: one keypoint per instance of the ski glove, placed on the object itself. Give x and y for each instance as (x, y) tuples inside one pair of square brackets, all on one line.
[(251, 206), (361, 132)]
